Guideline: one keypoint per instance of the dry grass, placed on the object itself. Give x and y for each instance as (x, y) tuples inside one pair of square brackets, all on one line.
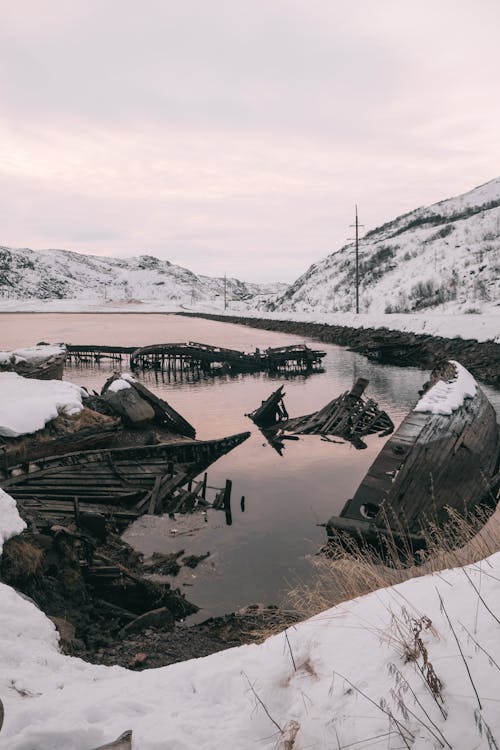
[(21, 561), (351, 570)]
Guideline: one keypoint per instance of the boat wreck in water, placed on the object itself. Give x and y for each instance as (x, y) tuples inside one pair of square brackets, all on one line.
[(445, 454), (43, 361), (146, 463), (349, 416), (121, 482)]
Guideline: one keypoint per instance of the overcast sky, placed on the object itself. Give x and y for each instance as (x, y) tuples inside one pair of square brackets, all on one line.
[(237, 136)]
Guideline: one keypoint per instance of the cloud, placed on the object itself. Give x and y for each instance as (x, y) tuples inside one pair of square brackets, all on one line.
[(238, 136)]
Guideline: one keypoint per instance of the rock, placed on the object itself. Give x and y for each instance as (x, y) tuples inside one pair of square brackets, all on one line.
[(139, 659), (123, 742), (155, 618), (67, 634), (130, 406)]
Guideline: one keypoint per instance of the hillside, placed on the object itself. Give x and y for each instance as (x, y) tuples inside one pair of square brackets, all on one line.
[(444, 257), (64, 275)]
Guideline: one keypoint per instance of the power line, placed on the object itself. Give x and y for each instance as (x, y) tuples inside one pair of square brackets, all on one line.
[(357, 225)]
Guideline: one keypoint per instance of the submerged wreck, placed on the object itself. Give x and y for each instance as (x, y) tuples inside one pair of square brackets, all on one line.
[(147, 463), (445, 454), (202, 359), (349, 416)]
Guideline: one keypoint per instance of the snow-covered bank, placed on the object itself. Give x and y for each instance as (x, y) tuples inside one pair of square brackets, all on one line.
[(351, 676), (484, 327), (481, 327), (11, 523), (26, 405)]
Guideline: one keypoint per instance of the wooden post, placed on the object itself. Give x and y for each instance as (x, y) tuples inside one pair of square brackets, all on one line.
[(204, 487), (227, 502), (227, 493), (76, 506)]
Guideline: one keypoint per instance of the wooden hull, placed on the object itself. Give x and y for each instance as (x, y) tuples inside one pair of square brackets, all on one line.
[(125, 478), (432, 462), (51, 368)]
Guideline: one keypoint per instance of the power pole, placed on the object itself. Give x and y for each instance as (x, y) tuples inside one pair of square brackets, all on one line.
[(357, 225)]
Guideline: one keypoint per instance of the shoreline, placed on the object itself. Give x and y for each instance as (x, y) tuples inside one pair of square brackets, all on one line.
[(388, 346)]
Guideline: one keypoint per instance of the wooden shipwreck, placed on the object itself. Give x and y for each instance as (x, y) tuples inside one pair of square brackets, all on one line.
[(128, 452), (120, 482), (350, 416), (199, 359), (445, 454), (43, 362)]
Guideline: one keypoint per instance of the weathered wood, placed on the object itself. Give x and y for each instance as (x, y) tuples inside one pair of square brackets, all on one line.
[(348, 416), (432, 462), (113, 479)]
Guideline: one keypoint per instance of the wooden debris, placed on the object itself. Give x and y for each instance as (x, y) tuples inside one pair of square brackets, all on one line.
[(196, 358), (349, 416), (118, 482)]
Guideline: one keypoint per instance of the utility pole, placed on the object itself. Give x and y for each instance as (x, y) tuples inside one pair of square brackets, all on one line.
[(225, 291), (357, 225)]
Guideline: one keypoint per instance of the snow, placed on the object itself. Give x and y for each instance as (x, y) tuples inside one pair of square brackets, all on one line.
[(11, 523), (344, 659), (31, 353), (26, 405), (446, 397), (445, 257), (120, 384)]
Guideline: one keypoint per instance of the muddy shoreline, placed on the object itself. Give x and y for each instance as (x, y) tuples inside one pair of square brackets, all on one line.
[(386, 346), (128, 619)]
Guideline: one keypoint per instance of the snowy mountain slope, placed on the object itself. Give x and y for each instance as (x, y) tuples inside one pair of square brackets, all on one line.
[(61, 274), (444, 256)]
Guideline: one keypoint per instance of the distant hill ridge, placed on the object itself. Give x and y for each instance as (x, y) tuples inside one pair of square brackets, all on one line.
[(62, 274), (445, 256)]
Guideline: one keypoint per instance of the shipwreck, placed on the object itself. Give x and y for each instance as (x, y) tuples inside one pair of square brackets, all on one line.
[(144, 458), (444, 455), (350, 416), (43, 361)]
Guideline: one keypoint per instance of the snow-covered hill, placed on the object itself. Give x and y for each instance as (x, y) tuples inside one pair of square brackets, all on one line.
[(61, 274), (445, 256)]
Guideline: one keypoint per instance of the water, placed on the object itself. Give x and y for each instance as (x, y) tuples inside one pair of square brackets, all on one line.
[(269, 545)]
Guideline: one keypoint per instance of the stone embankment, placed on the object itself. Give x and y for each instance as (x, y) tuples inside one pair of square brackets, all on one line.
[(388, 346)]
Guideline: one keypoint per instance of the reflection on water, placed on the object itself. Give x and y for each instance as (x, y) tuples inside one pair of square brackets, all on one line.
[(286, 497)]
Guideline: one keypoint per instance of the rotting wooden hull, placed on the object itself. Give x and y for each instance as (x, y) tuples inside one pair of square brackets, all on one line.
[(51, 368), (432, 462), (126, 481)]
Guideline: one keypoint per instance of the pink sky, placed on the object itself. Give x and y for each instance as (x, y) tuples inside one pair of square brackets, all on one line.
[(235, 136)]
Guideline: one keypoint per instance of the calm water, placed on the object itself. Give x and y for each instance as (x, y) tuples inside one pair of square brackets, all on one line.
[(268, 546)]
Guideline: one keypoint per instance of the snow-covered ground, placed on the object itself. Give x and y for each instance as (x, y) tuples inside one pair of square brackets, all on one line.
[(412, 666), (64, 275), (26, 405), (485, 327)]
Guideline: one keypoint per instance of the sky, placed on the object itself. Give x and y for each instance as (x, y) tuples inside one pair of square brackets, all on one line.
[(237, 137)]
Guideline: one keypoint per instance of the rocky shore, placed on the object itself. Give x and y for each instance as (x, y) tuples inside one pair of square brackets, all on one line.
[(481, 358)]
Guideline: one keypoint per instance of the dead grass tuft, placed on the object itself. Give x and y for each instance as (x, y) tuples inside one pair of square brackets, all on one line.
[(351, 570), (21, 561)]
